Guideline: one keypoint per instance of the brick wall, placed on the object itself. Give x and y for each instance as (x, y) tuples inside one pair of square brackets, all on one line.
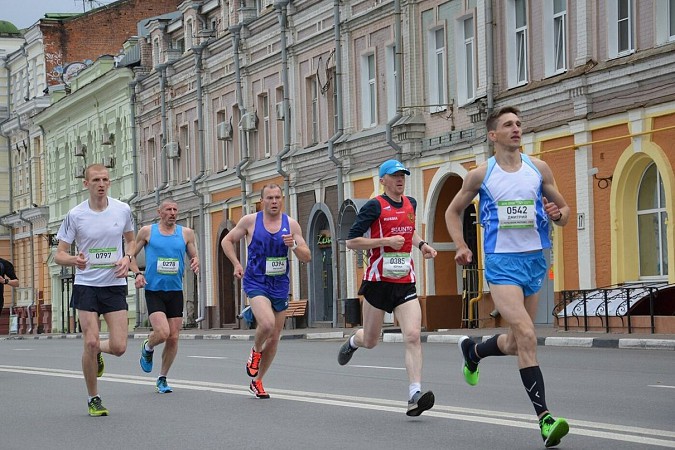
[(97, 32)]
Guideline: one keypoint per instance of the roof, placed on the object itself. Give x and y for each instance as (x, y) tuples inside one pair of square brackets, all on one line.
[(8, 28)]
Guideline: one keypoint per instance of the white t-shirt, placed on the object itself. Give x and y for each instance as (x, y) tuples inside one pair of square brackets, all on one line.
[(99, 235)]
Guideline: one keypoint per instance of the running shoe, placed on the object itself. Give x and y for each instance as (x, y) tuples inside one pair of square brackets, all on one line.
[(420, 403), (100, 364), (257, 389), (346, 352), (162, 387), (553, 430), (469, 368), (253, 363), (146, 358), (96, 408)]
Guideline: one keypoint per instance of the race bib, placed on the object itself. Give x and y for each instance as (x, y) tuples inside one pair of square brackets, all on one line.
[(275, 266), (516, 213), (102, 258), (167, 266), (396, 265)]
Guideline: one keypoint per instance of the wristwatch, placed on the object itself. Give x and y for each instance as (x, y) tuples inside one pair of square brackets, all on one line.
[(6, 280), (137, 274)]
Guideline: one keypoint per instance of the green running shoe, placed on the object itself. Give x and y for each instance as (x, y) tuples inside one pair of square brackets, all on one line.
[(471, 377), (100, 364), (96, 408), (553, 430)]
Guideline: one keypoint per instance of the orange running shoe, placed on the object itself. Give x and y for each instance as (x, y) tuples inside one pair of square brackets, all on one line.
[(257, 389), (253, 363)]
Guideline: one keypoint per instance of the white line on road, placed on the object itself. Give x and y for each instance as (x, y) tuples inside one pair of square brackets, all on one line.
[(206, 357), (638, 435), (661, 385), (378, 367)]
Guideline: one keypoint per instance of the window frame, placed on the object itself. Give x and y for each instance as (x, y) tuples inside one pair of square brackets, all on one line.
[(661, 213), (368, 90), (613, 32), (466, 85)]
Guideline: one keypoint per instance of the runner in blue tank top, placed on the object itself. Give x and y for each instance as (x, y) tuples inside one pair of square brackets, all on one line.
[(166, 244), (269, 235), (515, 212)]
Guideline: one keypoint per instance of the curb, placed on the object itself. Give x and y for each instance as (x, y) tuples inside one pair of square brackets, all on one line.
[(551, 341)]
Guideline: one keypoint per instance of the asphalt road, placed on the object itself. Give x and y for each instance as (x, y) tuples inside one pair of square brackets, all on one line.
[(613, 399)]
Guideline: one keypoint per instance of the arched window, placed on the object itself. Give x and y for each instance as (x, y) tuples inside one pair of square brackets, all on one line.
[(651, 211)]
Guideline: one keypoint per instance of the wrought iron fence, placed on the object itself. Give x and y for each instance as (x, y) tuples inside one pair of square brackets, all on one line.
[(609, 301)]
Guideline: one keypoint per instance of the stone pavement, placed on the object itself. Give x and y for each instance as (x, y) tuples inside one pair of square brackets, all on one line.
[(546, 335)]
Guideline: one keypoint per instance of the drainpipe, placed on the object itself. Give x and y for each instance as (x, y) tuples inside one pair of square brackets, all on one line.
[(282, 12), (134, 165), (5, 60), (245, 159), (30, 225), (489, 66), (399, 79), (161, 68), (202, 159), (342, 249)]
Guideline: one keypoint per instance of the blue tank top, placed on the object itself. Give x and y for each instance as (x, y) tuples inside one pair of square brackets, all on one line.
[(164, 260), (267, 265)]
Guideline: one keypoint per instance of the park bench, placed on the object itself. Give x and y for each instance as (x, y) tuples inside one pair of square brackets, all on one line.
[(296, 309)]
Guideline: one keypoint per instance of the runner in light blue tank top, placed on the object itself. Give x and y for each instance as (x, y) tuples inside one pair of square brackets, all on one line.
[(164, 260)]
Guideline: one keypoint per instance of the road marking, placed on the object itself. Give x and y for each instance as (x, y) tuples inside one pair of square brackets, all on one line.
[(206, 357), (637, 435), (22, 349), (377, 367), (661, 385)]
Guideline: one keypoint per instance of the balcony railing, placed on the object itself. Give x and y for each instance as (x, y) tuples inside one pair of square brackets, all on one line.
[(616, 301)]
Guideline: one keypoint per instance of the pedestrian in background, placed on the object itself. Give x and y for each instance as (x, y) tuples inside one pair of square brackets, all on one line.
[(515, 212), (97, 227), (166, 244), (270, 235), (385, 226)]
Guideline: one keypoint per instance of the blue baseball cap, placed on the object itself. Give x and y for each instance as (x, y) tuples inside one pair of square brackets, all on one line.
[(391, 166)]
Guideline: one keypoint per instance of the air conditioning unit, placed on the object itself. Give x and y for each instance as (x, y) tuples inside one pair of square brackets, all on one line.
[(80, 149), (109, 161), (172, 150), (249, 121), (78, 170), (224, 131), (281, 112), (108, 139)]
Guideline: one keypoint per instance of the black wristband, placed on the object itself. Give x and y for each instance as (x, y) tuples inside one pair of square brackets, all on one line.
[(559, 217), (137, 274), (421, 244)]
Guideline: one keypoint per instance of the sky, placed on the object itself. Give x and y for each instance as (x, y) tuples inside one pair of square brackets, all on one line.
[(24, 13)]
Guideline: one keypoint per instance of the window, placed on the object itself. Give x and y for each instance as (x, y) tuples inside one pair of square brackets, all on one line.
[(390, 78), (555, 36), (280, 123), (652, 219), (156, 53), (179, 44), (184, 161), (368, 91), (437, 73), (313, 109), (223, 144), (619, 27), (665, 22), (267, 132), (466, 76), (521, 42), (189, 33)]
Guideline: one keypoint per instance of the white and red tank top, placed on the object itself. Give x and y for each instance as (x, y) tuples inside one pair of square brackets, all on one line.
[(385, 263)]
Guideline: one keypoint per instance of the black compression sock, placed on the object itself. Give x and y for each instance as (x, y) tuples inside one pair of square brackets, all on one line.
[(488, 348), (533, 380)]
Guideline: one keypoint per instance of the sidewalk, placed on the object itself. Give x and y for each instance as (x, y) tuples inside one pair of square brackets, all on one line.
[(546, 335)]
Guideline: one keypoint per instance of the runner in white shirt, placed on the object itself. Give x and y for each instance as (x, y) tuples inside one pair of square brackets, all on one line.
[(97, 226)]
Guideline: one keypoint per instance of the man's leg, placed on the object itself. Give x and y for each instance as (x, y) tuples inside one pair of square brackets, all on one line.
[(160, 329), (90, 335), (269, 348), (118, 326), (517, 311), (369, 335), (171, 344), (409, 316)]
